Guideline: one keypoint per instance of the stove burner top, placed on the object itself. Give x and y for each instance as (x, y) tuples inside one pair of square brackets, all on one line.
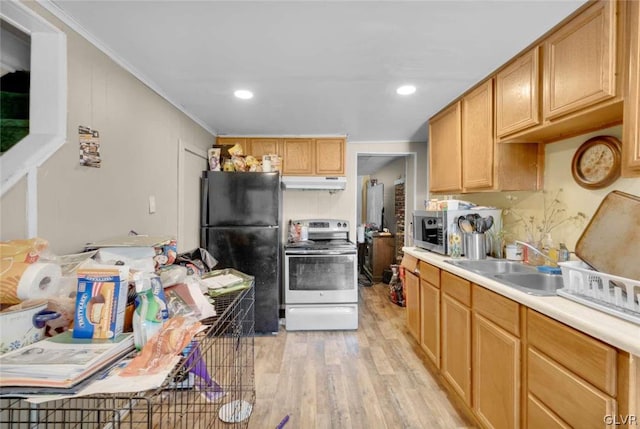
[(334, 244)]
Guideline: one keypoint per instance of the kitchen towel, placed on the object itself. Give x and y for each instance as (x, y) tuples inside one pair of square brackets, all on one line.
[(361, 234)]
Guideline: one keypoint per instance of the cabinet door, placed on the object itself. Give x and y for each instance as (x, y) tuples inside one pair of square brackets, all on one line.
[(298, 157), (496, 375), (631, 124), (477, 138), (430, 321), (445, 158), (579, 61), (573, 400), (412, 289), (517, 94), (233, 141), (330, 156), (455, 361), (261, 147)]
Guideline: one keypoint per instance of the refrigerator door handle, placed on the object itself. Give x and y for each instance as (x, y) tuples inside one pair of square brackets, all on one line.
[(204, 205)]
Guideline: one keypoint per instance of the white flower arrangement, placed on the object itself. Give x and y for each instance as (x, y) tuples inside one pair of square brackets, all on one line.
[(553, 215)]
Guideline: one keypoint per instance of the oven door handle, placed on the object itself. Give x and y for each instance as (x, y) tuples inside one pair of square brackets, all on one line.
[(321, 252)]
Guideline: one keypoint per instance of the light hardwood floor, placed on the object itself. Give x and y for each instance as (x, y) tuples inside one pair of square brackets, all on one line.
[(370, 378)]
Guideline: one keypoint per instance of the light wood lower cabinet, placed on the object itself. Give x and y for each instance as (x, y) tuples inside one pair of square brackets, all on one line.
[(576, 402), (573, 375), (456, 334), (412, 294), (512, 366), (496, 359), (412, 288), (430, 311)]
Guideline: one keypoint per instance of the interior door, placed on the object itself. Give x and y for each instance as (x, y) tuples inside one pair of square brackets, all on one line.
[(191, 162)]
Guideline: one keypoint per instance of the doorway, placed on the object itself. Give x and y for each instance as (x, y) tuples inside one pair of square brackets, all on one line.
[(392, 175)]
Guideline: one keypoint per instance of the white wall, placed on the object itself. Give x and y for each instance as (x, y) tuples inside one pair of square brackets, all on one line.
[(139, 134), (557, 175), (343, 204)]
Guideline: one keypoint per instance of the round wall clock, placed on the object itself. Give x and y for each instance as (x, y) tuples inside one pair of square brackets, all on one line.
[(596, 163)]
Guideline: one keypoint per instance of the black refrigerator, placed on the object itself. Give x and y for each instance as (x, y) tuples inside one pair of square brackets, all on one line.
[(240, 221)]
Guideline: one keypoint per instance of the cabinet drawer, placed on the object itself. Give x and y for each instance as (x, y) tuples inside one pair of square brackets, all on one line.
[(585, 356), (409, 263), (456, 287), (539, 416), (500, 310), (430, 273), (571, 398)]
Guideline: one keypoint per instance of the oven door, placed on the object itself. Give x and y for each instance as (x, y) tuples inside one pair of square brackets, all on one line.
[(321, 278)]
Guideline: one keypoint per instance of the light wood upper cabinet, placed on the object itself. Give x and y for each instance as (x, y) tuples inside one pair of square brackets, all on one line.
[(230, 141), (445, 150), (463, 154), (298, 157), (330, 156), (631, 128), (517, 94), (308, 157), (580, 61), (477, 138), (259, 147)]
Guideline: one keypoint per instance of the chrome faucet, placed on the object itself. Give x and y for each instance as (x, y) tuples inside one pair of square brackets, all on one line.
[(536, 250)]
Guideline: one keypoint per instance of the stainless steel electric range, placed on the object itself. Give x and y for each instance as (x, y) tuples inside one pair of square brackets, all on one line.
[(321, 278)]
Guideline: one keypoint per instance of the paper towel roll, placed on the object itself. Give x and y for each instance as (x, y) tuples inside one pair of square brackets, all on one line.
[(39, 280), (361, 234)]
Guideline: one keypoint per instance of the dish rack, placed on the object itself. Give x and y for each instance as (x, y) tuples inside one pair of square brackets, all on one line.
[(611, 294), (224, 352)]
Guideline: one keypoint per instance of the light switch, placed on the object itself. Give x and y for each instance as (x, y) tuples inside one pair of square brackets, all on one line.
[(152, 204)]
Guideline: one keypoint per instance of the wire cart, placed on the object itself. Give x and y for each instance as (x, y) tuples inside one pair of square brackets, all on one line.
[(212, 387)]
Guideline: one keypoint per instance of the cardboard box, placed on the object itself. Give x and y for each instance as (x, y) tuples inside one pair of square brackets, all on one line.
[(101, 301)]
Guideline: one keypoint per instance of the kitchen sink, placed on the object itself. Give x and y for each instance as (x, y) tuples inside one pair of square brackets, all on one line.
[(514, 274), (492, 266), (532, 283)]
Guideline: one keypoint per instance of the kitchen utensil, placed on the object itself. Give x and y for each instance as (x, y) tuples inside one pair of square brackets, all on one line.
[(465, 226), (611, 241), (27, 325), (488, 222)]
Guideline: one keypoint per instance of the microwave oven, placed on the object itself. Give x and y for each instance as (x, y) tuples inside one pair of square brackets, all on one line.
[(430, 227)]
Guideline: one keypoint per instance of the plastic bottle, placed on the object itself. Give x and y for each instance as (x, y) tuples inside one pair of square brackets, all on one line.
[(148, 315), (563, 253)]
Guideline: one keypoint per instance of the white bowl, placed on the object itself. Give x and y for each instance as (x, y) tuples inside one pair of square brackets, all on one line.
[(24, 326)]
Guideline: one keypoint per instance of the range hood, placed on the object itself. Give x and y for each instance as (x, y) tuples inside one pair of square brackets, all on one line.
[(331, 183)]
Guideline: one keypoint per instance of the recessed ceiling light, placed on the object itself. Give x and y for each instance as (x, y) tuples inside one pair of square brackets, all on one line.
[(406, 90), (243, 94)]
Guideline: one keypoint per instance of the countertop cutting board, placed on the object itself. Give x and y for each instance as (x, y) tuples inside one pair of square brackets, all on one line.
[(611, 241)]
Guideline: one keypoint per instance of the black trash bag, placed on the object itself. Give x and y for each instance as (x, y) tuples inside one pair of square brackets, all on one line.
[(197, 261)]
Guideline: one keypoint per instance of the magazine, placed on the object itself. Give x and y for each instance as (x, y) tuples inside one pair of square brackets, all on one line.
[(61, 361)]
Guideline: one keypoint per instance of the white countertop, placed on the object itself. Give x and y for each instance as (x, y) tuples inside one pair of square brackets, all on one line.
[(612, 330)]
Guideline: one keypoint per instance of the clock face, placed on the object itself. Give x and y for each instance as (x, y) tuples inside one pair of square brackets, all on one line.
[(596, 163)]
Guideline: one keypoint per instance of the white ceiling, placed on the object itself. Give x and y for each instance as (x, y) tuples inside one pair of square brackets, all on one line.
[(316, 67)]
